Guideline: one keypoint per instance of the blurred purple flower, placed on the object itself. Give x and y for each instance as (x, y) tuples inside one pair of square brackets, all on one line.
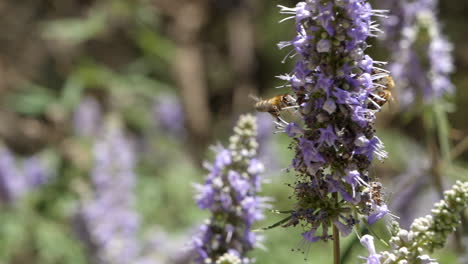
[(169, 115), (17, 179), (264, 129), (421, 55), (12, 183), (163, 247), (35, 171), (108, 218), (230, 193), (333, 83), (267, 150), (87, 117)]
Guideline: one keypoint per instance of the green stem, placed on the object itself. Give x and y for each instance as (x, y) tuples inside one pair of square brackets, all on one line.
[(442, 125), (336, 239), (282, 221), (349, 248), (435, 129), (336, 245)]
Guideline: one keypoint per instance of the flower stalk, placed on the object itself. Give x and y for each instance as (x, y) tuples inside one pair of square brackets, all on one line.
[(336, 241)]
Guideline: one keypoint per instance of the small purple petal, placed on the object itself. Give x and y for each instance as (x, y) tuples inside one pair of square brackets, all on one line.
[(310, 236), (381, 211)]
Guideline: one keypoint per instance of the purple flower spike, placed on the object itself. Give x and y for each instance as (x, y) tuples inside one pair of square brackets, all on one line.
[(421, 61), (107, 220), (334, 84), (230, 193)]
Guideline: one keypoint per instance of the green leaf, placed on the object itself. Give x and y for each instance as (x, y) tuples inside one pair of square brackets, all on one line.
[(75, 30), (12, 233), (280, 222), (56, 245), (32, 99), (154, 44), (72, 91)]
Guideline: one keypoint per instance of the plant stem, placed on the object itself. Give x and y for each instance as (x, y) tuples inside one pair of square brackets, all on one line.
[(336, 239), (336, 245), (433, 132), (443, 127)]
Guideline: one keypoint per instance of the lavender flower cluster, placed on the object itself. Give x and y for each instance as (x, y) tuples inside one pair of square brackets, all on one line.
[(230, 194), (107, 218), (336, 89), (421, 54), (18, 178), (87, 118), (169, 115)]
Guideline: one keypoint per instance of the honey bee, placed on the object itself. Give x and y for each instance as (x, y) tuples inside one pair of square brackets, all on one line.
[(275, 104), (376, 192), (385, 85)]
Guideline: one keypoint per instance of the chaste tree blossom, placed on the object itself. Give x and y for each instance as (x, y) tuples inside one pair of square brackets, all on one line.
[(267, 149), (87, 118), (169, 115), (17, 178), (230, 194), (107, 220), (426, 233), (421, 54), (335, 85), (12, 183)]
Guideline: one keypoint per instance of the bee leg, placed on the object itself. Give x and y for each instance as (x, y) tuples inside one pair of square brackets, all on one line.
[(373, 105), (290, 107), (289, 97), (282, 121), (379, 96), (275, 112)]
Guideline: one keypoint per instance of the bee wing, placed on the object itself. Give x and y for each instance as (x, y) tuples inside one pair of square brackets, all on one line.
[(393, 103), (255, 98), (292, 115)]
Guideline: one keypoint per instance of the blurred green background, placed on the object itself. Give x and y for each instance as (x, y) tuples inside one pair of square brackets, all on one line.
[(177, 74)]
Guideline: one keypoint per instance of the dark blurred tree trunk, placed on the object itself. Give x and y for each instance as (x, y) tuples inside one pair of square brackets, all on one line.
[(189, 72), (241, 42)]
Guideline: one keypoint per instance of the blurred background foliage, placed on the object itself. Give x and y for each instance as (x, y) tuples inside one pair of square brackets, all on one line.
[(176, 74)]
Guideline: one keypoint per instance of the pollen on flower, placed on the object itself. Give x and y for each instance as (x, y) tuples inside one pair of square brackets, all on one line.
[(229, 258)]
